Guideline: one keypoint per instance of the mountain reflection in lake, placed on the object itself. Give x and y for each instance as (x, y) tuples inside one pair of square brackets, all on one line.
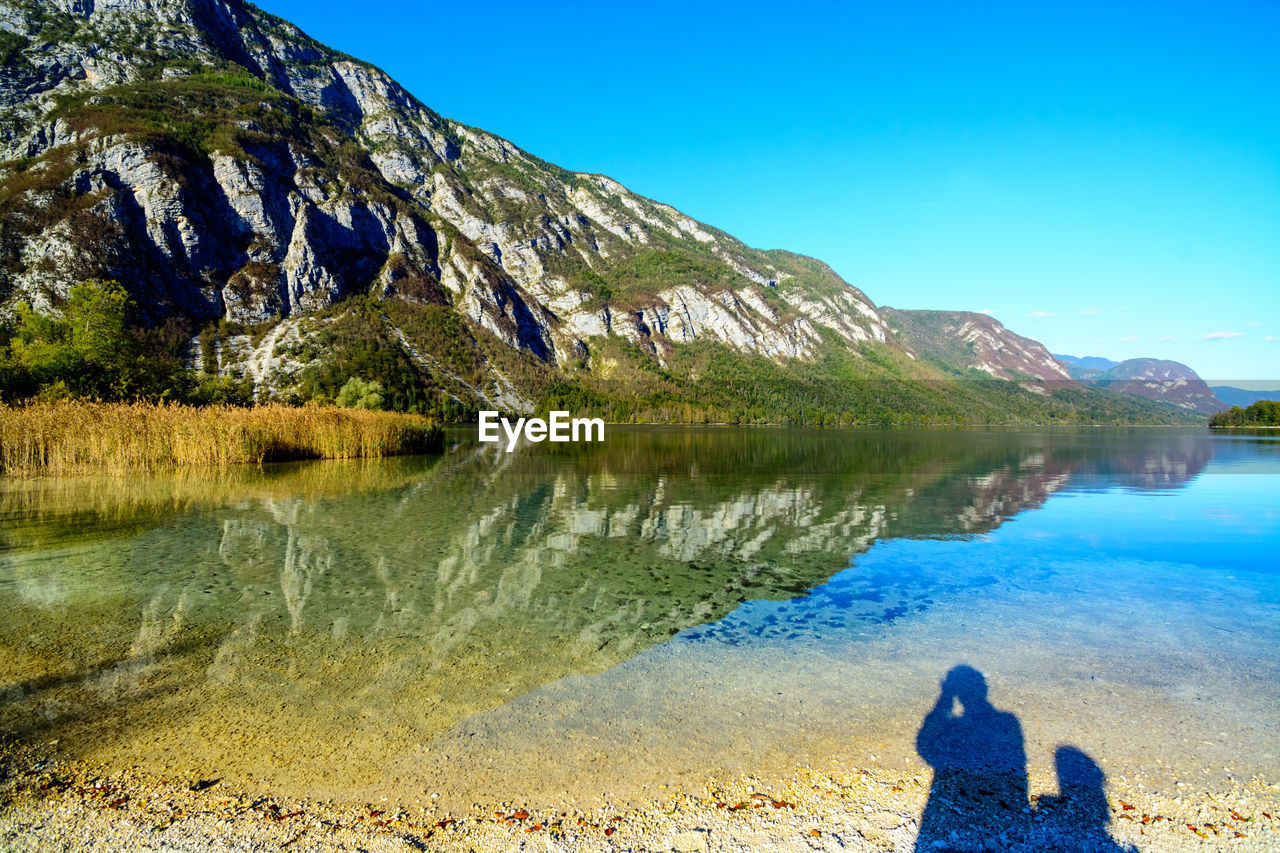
[(312, 625)]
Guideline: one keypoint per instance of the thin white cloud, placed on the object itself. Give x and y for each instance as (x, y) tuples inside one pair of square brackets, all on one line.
[(1252, 325), (1130, 339), (1089, 311), (990, 312), (1162, 340), (1038, 314), (1271, 339), (1124, 308), (1222, 336)]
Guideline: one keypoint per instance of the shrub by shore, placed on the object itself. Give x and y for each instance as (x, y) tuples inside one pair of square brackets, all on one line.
[(72, 437)]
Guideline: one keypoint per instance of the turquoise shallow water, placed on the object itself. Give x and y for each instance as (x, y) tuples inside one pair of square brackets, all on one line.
[(578, 622)]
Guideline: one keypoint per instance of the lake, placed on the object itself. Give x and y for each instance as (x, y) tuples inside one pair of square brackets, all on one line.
[(597, 621)]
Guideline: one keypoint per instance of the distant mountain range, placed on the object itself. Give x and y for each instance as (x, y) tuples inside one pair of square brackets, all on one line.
[(1243, 397), (1086, 367), (1155, 379), (299, 219)]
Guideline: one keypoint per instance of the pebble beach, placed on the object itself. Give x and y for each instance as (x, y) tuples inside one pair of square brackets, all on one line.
[(47, 805)]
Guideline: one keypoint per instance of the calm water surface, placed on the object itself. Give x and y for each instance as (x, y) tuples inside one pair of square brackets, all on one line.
[(600, 620)]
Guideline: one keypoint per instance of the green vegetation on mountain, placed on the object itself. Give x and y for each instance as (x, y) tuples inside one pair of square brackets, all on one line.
[(357, 344), (930, 338), (354, 357), (91, 351)]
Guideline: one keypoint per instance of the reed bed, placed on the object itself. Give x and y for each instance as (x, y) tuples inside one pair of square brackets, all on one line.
[(74, 437)]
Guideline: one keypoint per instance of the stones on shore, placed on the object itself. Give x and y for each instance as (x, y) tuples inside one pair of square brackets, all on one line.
[(690, 841), (70, 807)]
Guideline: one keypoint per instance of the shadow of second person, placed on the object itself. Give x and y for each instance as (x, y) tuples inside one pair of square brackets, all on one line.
[(1077, 818), (978, 798)]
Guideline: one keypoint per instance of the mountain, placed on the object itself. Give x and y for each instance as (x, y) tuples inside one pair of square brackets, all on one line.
[(1085, 367), (1165, 381), (972, 341), (1232, 396), (1153, 379), (293, 218)]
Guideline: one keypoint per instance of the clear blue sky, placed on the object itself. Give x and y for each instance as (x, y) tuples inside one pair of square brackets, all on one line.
[(1103, 177)]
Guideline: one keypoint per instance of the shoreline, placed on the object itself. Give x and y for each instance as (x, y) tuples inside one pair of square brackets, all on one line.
[(74, 806)]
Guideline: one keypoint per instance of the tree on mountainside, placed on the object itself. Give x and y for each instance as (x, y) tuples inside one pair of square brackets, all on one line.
[(358, 394), (91, 351)]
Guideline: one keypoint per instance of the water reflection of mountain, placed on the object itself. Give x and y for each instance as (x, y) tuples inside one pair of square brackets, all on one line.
[(338, 625)]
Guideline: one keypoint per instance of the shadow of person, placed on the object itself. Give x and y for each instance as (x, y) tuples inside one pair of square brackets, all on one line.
[(978, 797), (1077, 818)]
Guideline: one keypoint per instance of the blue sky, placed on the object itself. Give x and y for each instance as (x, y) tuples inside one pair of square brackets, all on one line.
[(1103, 177)]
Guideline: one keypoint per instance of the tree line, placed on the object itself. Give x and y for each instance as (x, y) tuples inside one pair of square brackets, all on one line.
[(1261, 413)]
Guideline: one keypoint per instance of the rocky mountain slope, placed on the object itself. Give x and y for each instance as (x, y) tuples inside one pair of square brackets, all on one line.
[(972, 341), (304, 219), (1154, 379), (1167, 381)]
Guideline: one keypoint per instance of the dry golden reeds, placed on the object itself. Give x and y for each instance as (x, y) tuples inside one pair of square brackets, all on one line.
[(71, 437)]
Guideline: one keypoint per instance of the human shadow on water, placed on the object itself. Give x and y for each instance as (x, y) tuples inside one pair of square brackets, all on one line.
[(978, 799)]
